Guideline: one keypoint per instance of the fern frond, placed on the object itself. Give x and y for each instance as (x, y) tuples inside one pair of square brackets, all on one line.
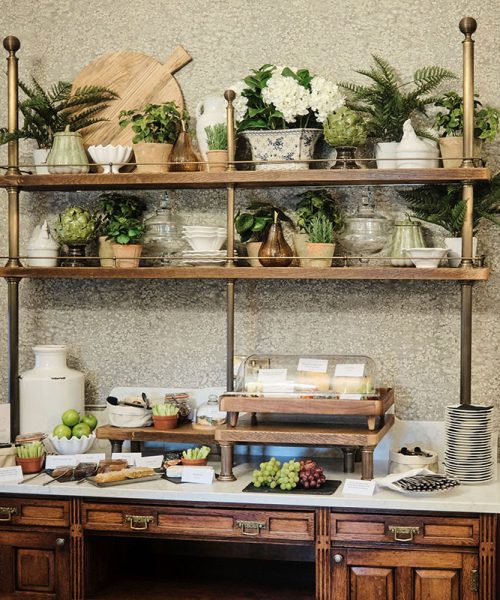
[(428, 78)]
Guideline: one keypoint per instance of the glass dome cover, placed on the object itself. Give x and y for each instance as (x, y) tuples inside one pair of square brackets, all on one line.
[(209, 415)]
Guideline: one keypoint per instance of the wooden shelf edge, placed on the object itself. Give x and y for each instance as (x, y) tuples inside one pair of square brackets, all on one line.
[(150, 434), (333, 273)]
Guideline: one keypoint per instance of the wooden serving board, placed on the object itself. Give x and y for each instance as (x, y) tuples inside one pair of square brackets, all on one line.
[(138, 79)]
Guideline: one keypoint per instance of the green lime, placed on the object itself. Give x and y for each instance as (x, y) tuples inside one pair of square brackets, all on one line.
[(62, 431), (81, 430), (71, 417)]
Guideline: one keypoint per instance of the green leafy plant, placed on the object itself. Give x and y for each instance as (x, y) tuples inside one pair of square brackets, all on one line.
[(320, 230), (318, 203), (344, 127), (124, 230), (443, 205), (156, 124), (388, 101), (113, 205), (216, 136), (33, 450), (46, 112), (451, 122), (254, 223), (165, 410), (76, 225)]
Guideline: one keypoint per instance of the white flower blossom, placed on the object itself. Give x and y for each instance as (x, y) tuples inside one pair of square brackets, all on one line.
[(288, 96), (325, 97), (240, 102)]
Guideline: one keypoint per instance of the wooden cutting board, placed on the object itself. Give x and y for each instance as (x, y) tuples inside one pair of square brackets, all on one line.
[(138, 79)]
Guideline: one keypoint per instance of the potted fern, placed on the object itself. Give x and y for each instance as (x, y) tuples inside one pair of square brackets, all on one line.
[(217, 147), (156, 129), (388, 102), (444, 206), (47, 112), (319, 246)]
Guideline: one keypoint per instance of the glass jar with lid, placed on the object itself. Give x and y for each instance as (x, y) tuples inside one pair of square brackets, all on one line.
[(209, 416), (163, 234)]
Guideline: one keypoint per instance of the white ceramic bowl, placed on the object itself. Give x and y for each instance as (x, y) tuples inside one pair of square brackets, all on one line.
[(105, 155), (205, 243), (426, 258), (72, 446)]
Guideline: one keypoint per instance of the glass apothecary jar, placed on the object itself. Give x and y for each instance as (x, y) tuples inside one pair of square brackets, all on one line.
[(163, 235), (336, 376), (209, 416)]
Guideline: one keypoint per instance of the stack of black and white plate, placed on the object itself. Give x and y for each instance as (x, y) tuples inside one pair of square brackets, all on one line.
[(469, 453)]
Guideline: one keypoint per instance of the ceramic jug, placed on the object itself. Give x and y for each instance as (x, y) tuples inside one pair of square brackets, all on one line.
[(210, 111)]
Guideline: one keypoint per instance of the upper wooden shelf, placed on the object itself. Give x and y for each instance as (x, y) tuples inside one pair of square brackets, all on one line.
[(353, 273), (184, 433), (246, 179)]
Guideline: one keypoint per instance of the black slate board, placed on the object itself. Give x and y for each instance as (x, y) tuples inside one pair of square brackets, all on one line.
[(330, 487)]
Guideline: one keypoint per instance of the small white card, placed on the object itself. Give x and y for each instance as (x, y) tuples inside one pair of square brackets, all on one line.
[(313, 365), (90, 458), (129, 456), (351, 370), (11, 475), (52, 461), (197, 475), (155, 462), (358, 487), (272, 375)]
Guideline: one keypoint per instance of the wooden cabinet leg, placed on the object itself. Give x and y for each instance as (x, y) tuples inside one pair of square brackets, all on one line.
[(116, 445), (372, 422), (226, 462), (232, 417), (367, 462), (349, 456)]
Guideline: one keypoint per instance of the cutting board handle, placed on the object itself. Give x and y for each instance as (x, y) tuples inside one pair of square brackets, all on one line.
[(178, 59)]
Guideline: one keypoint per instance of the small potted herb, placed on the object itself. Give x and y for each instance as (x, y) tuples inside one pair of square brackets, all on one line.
[(125, 234), (217, 147), (450, 123), (319, 246), (76, 227), (31, 457), (156, 130)]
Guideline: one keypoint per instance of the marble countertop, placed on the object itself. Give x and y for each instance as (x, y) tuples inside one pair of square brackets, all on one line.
[(464, 499)]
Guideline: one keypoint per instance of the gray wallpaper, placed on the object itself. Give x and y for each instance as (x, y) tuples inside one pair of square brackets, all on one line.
[(173, 332)]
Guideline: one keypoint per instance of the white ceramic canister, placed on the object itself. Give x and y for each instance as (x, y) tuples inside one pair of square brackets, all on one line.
[(210, 111), (42, 244), (414, 152), (49, 389), (385, 153)]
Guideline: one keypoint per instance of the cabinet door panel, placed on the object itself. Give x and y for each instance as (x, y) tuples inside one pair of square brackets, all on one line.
[(438, 584), (35, 570), (371, 582)]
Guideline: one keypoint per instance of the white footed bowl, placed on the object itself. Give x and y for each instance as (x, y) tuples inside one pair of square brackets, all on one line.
[(426, 258), (72, 446), (110, 158)]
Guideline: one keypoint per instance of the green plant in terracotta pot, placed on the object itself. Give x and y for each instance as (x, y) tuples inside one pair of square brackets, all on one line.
[(156, 130), (125, 234), (217, 147), (345, 129), (76, 227), (320, 243), (450, 124)]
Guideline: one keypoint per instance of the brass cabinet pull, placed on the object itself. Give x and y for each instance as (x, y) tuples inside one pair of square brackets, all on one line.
[(6, 513), (338, 558), (251, 528), (404, 534), (138, 522)]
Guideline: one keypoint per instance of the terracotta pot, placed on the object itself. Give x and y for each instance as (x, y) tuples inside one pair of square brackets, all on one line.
[(31, 465), (127, 255), (194, 462), (217, 160), (319, 255), (452, 151), (106, 252), (165, 423), (152, 158), (253, 253)]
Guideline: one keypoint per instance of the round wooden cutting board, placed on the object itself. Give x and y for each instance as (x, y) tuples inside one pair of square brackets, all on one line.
[(138, 79)]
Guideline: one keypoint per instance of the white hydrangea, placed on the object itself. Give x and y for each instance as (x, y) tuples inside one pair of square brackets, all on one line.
[(240, 102), (288, 96), (325, 97)]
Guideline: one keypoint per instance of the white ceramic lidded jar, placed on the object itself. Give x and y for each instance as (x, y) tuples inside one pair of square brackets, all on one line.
[(43, 245), (49, 389)]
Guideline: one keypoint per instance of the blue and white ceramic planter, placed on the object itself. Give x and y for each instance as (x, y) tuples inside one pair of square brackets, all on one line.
[(282, 145)]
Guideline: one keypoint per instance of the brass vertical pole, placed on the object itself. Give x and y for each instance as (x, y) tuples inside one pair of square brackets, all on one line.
[(12, 45), (467, 26)]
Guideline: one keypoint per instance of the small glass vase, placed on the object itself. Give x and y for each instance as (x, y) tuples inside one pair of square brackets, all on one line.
[(184, 158)]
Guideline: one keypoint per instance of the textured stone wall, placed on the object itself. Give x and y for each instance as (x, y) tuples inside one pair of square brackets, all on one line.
[(173, 332)]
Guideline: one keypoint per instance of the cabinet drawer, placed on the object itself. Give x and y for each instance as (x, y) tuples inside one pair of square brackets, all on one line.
[(434, 531), (200, 523), (24, 511)]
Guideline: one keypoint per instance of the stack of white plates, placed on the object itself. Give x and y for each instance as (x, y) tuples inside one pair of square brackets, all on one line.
[(204, 238), (469, 454), (194, 257)]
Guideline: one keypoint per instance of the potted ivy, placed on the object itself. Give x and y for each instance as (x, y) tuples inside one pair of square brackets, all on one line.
[(217, 147), (315, 203), (48, 112), (387, 102), (156, 129), (253, 226), (125, 234), (450, 123), (114, 205), (320, 246)]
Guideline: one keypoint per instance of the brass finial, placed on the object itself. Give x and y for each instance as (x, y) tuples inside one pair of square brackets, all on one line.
[(229, 95), (11, 43), (468, 26)]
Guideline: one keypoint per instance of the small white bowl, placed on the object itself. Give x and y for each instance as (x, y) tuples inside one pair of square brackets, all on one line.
[(110, 158), (72, 446), (205, 243), (426, 258)]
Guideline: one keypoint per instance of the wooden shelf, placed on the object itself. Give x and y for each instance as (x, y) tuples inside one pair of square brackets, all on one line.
[(244, 179), (334, 273), (184, 433)]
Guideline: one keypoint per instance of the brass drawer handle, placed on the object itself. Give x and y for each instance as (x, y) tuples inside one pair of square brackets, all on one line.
[(404, 534), (6, 513), (251, 528), (138, 522)]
